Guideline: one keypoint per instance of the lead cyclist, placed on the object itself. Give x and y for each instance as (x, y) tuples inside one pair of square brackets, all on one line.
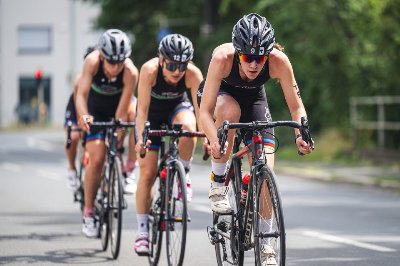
[(234, 91)]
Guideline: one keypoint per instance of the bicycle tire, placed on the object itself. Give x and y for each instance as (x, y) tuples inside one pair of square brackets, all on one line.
[(176, 214), (155, 220), (79, 193), (102, 210), (233, 253), (277, 239), (115, 200)]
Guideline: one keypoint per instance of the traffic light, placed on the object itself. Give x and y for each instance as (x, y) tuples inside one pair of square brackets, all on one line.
[(38, 76)]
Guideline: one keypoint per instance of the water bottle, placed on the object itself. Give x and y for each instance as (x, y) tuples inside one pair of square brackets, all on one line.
[(163, 173), (245, 184)]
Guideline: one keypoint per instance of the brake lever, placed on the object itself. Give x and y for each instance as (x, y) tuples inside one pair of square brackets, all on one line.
[(222, 133), (145, 137)]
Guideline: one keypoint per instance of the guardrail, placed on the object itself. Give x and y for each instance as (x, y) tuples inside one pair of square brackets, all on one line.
[(381, 124)]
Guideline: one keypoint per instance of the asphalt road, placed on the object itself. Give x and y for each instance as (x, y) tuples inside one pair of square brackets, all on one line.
[(327, 224)]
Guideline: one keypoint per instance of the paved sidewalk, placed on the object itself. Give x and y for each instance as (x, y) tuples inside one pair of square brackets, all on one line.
[(381, 176)]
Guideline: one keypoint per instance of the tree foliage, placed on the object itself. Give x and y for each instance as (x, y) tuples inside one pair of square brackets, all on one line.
[(338, 48)]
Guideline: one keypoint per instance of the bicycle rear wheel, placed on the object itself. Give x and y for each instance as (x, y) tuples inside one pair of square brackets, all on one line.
[(115, 207), (176, 214), (155, 219), (102, 212), (269, 229), (227, 234)]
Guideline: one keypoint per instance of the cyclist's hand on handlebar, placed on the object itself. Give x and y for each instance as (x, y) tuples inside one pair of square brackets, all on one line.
[(85, 121), (141, 148), (216, 150), (302, 146)]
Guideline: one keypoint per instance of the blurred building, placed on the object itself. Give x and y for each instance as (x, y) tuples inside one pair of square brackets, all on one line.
[(42, 43)]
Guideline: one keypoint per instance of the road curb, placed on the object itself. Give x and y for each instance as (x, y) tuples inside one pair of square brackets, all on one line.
[(336, 174)]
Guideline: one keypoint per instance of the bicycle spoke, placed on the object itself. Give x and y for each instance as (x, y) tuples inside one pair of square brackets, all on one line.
[(176, 215), (269, 229), (155, 216), (115, 211)]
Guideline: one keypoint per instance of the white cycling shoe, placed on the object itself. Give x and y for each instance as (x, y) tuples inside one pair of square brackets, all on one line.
[(72, 180), (219, 199), (130, 185)]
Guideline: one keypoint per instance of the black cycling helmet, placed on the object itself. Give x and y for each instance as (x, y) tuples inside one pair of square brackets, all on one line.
[(176, 47), (115, 46), (88, 50), (253, 34)]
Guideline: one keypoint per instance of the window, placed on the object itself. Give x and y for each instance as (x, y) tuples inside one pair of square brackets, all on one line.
[(34, 100), (34, 40)]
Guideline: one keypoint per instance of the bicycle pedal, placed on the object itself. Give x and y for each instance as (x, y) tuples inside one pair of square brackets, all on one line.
[(212, 235)]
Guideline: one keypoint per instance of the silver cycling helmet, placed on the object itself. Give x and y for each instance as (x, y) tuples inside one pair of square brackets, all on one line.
[(115, 46), (253, 34), (176, 47)]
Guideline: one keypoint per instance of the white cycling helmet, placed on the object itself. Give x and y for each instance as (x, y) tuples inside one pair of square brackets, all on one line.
[(115, 46)]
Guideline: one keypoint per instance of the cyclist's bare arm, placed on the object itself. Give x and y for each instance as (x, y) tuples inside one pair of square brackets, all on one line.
[(76, 84), (280, 68), (220, 65), (193, 79), (90, 66), (130, 78), (147, 79)]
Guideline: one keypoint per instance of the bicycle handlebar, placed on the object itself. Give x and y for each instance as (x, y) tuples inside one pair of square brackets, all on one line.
[(113, 124), (69, 130), (222, 132), (176, 131)]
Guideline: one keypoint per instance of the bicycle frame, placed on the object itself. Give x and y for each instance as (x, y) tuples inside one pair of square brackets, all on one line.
[(162, 213), (245, 220)]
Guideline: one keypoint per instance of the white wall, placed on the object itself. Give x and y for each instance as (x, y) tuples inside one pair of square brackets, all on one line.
[(70, 21)]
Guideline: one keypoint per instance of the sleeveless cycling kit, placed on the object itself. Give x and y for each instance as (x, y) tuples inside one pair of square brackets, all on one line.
[(166, 101), (103, 99), (250, 96)]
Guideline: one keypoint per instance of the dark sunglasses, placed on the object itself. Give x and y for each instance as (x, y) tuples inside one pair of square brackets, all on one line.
[(112, 62), (260, 59), (174, 66)]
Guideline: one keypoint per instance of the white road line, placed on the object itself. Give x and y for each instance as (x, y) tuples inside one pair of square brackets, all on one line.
[(40, 144), (49, 174), (347, 241), (12, 167)]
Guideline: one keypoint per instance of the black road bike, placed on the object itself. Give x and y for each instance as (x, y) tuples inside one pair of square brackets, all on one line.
[(168, 210), (244, 228), (110, 200)]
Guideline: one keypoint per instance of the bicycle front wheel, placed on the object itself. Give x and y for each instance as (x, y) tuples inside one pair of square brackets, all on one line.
[(269, 226), (155, 219), (227, 236), (115, 207), (176, 214)]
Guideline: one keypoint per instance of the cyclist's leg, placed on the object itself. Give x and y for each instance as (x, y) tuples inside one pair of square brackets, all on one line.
[(148, 167), (227, 108), (96, 149), (71, 151), (131, 162), (183, 114)]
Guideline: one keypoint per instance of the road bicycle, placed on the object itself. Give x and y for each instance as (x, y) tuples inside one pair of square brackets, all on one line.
[(168, 210), (257, 220), (110, 201)]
